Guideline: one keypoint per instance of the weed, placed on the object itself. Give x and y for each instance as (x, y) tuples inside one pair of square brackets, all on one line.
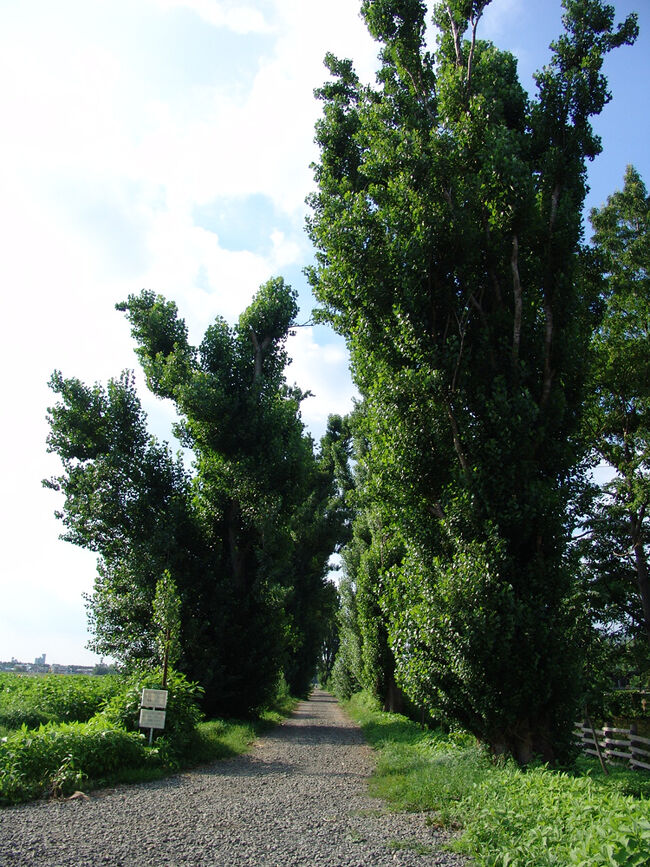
[(411, 846), (508, 816)]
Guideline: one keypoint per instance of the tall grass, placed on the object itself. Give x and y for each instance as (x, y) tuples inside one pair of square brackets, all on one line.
[(509, 817)]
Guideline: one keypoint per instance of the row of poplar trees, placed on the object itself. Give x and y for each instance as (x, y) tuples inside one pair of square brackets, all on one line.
[(245, 535), (450, 254), (447, 222)]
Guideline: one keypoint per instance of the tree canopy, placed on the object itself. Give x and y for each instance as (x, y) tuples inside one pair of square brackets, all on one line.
[(447, 220), (617, 422), (245, 537)]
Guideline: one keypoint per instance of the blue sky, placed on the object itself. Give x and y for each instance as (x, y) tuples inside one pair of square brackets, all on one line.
[(166, 144)]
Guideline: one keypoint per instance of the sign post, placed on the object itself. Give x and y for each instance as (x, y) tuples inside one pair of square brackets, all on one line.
[(152, 710)]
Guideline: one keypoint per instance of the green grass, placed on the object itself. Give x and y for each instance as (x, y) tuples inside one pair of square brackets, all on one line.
[(57, 758), (508, 817)]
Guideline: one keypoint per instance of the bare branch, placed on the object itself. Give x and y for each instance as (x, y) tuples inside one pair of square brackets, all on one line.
[(474, 22)]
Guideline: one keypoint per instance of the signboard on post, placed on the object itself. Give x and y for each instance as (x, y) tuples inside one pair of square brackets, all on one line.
[(152, 719), (152, 710), (154, 698)]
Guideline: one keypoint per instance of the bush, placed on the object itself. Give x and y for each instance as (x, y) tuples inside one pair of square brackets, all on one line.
[(183, 712), (56, 758), (33, 701)]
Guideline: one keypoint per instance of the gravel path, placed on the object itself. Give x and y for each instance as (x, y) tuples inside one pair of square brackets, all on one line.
[(299, 798)]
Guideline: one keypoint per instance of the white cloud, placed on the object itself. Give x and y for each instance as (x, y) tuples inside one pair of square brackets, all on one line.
[(500, 18), (321, 368), (101, 176), (231, 16)]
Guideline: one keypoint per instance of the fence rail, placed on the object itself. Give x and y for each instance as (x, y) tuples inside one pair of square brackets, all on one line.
[(616, 745)]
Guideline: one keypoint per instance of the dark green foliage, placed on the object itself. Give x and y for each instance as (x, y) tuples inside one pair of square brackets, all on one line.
[(627, 704), (321, 524), (617, 424), (364, 657), (448, 228), (245, 538), (347, 668)]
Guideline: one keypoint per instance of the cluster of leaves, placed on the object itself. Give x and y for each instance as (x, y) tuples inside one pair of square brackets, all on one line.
[(549, 818), (182, 717), (30, 701), (627, 704), (507, 816), (448, 229), (243, 540)]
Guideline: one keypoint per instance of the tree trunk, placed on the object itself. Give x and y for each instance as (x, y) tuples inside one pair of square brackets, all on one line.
[(394, 698), (525, 743)]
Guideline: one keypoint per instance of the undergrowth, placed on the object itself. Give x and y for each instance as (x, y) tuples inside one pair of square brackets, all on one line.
[(509, 817), (56, 759)]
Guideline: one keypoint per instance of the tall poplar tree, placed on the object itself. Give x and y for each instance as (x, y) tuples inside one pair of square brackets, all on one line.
[(447, 221), (618, 418), (245, 537)]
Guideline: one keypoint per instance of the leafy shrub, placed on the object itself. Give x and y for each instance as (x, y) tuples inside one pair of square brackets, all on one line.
[(183, 713), (33, 701), (57, 757), (546, 818)]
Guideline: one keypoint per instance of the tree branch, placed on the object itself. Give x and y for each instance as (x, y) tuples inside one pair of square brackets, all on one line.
[(456, 35), (260, 349), (455, 433), (474, 22)]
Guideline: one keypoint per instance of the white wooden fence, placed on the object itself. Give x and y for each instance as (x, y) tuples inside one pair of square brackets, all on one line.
[(616, 745)]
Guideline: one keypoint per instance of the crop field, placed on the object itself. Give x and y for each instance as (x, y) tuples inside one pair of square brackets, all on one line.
[(35, 700)]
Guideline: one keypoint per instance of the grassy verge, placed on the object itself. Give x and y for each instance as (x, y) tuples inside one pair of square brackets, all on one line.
[(59, 758), (509, 817), (220, 739)]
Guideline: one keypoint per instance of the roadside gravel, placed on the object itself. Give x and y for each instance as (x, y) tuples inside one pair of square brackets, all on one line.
[(299, 798)]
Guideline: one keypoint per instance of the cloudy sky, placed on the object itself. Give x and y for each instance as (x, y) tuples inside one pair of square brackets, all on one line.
[(165, 144)]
